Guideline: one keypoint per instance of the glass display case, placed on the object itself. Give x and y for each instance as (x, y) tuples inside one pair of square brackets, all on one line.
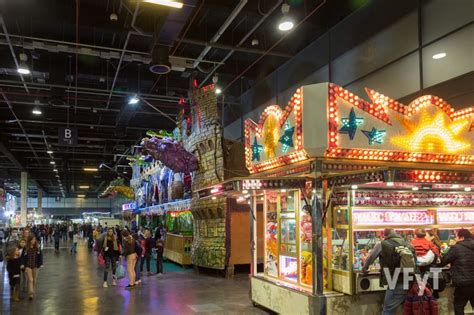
[(288, 238)]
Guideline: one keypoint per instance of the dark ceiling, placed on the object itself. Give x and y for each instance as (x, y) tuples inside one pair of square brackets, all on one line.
[(84, 66)]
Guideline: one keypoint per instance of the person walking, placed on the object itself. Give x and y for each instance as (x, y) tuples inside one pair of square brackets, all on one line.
[(34, 261), (148, 247), (111, 253), (390, 261), (140, 252), (57, 238), (14, 273), (75, 240), (461, 258), (129, 251), (159, 256), (23, 278)]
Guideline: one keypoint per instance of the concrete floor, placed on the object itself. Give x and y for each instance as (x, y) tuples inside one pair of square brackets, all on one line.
[(73, 285)]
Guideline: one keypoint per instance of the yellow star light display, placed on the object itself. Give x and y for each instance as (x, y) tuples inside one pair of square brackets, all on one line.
[(433, 134), (271, 135)]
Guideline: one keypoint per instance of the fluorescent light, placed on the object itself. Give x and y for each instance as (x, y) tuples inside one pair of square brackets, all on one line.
[(90, 169), (133, 100), (55, 170), (467, 188), (52, 162), (84, 186), (439, 55), (81, 196), (168, 3), (49, 152), (285, 25), (390, 184), (218, 91), (36, 111)]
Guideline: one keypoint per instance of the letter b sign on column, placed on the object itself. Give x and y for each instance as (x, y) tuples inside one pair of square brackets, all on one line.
[(67, 136)]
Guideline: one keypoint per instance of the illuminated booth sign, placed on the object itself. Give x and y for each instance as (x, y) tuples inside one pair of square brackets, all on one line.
[(455, 217), (325, 120), (392, 217)]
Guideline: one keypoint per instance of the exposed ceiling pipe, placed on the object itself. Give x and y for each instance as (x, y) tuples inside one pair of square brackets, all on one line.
[(237, 47), (63, 123), (19, 123), (237, 77), (79, 138), (134, 17), (242, 41), (221, 31), (17, 65)]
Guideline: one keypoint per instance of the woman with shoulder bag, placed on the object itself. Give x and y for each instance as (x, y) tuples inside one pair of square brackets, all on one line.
[(34, 261), (110, 251), (129, 252)]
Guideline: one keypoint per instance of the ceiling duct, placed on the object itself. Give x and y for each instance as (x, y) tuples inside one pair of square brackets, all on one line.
[(160, 63)]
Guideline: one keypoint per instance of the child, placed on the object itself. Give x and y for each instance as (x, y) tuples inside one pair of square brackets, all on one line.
[(159, 256), (75, 240), (22, 249), (14, 272)]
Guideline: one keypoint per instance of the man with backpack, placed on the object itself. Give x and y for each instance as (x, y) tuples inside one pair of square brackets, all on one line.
[(461, 258), (396, 257)]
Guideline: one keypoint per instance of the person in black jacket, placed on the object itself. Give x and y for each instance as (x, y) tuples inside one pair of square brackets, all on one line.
[(14, 272), (148, 242), (34, 261), (461, 258), (111, 253)]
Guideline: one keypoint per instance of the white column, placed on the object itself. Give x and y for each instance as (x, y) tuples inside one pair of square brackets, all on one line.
[(40, 201), (24, 198)]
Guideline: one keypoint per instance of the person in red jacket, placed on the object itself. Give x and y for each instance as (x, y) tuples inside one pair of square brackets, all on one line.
[(422, 246)]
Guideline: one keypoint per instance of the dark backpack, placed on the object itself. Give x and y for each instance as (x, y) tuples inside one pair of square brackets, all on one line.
[(138, 248), (402, 256)]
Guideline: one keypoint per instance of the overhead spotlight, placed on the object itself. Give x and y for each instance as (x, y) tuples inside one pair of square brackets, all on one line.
[(55, 170), (23, 67), (52, 162), (113, 17), (133, 100), (286, 23), (439, 55), (255, 42), (84, 186), (49, 152), (36, 111), (218, 90)]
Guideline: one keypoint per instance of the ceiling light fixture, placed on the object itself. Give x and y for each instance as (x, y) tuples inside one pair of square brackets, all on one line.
[(23, 69), (354, 187), (52, 162), (36, 111), (133, 100), (167, 3), (218, 90), (84, 186), (439, 55), (81, 196), (414, 188), (55, 170), (49, 152), (90, 169), (286, 23)]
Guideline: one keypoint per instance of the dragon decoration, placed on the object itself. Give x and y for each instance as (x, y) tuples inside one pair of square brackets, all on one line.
[(170, 152), (117, 186)]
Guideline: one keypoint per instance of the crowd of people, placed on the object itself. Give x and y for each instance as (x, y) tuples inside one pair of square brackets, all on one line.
[(112, 245), (425, 250)]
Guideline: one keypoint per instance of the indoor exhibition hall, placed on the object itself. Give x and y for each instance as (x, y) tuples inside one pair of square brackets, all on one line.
[(237, 157)]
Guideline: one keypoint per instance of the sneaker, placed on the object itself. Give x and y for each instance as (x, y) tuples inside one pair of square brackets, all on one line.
[(129, 286), (160, 274), (105, 284), (114, 282), (30, 297), (149, 273)]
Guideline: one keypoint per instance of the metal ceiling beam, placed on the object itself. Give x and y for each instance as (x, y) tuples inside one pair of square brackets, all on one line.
[(234, 48), (64, 152), (63, 123), (79, 138), (17, 65)]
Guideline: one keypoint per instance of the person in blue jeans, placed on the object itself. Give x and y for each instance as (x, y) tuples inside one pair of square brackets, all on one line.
[(394, 296), (140, 253)]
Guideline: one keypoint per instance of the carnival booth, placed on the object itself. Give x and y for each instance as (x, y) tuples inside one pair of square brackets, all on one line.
[(331, 171)]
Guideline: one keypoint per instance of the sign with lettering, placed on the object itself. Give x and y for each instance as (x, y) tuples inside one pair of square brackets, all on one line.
[(392, 217), (455, 216), (129, 206), (67, 136)]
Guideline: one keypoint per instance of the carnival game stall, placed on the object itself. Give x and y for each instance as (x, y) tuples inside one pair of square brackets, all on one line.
[(366, 164)]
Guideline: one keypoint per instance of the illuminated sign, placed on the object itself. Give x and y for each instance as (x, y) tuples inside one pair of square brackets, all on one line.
[(129, 206), (455, 217), (392, 217), (277, 139), (426, 130)]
